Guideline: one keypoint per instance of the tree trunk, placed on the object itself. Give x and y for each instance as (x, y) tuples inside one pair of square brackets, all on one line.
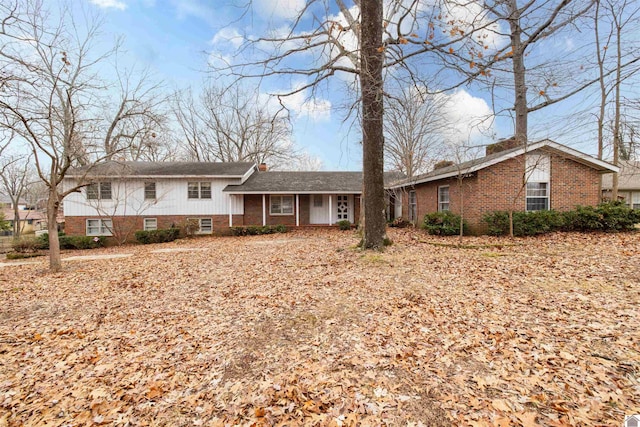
[(16, 220), (55, 262), (371, 84), (519, 73), (616, 120)]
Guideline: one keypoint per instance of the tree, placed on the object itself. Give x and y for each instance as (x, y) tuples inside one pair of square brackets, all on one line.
[(53, 98), (15, 177), (414, 128), (233, 124)]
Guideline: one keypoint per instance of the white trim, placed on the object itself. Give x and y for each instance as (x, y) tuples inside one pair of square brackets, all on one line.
[(230, 211), (144, 224), (271, 213), (264, 210), (297, 210), (330, 209), (90, 177), (440, 203), (102, 227), (576, 155)]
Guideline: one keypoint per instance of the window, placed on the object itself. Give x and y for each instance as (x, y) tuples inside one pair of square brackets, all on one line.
[(150, 190), (199, 190), (635, 197), (413, 206), (443, 198), (537, 196), (317, 200), (99, 227), (281, 205), (99, 191), (150, 224), (205, 225)]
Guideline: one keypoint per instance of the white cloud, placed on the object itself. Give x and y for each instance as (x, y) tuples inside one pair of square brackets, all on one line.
[(106, 4), (279, 9), (228, 36), (304, 105), (469, 117)]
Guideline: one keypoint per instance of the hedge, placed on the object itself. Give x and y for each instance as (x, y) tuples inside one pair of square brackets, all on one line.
[(444, 223), (254, 230), (157, 236), (608, 216)]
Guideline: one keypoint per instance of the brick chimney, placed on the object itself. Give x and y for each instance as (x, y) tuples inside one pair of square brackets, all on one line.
[(262, 167), (502, 145)]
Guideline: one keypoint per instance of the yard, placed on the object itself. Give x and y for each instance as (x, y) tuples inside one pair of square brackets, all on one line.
[(304, 329)]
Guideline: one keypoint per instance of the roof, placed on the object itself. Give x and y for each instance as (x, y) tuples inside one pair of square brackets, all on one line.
[(628, 177), (113, 169), (24, 214), (273, 182), (484, 162)]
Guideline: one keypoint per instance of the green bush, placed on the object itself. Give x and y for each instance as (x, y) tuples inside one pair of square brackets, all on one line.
[(609, 216), (255, 230), (344, 224), (442, 223), (73, 242), (157, 236)]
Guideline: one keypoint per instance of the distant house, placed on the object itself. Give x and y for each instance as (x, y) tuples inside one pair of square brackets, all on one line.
[(30, 219), (628, 184), (539, 176), (122, 197)]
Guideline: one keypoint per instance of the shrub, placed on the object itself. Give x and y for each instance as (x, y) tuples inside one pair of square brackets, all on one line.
[(190, 227), (27, 245), (524, 223), (344, 224), (442, 223), (19, 255), (72, 242), (255, 230), (157, 236), (609, 216)]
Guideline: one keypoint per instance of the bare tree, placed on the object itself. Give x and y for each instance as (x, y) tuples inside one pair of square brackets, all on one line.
[(52, 100), (415, 128), (15, 176), (233, 125)]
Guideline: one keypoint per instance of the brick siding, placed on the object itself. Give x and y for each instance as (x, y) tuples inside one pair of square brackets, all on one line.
[(500, 187)]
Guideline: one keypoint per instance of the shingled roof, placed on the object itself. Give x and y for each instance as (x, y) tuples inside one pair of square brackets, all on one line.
[(164, 169), (483, 162), (299, 182)]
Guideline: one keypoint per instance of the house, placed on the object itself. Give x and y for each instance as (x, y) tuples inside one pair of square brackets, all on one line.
[(123, 197), (30, 219), (539, 176), (628, 184)]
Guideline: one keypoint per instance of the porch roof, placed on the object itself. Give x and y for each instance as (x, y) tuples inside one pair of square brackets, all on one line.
[(273, 182)]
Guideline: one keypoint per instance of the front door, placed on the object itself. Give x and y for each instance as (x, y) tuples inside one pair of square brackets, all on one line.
[(343, 207)]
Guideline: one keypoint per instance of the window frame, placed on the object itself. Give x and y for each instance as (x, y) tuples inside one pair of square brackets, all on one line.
[(147, 190), (100, 190), (200, 228), (537, 197), (318, 200), (412, 205), (102, 228), (281, 211), (441, 202), (199, 190), (146, 228)]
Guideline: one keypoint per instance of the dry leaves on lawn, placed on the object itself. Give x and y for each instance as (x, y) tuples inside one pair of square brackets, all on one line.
[(304, 329)]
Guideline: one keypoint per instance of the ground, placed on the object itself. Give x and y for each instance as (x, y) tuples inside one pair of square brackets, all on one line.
[(305, 329)]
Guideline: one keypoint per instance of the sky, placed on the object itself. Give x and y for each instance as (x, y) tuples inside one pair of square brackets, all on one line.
[(178, 39)]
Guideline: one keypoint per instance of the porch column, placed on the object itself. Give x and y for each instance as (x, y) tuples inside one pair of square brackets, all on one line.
[(230, 210), (330, 209), (297, 210), (264, 210)]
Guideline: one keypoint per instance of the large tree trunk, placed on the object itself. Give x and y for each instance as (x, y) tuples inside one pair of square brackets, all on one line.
[(519, 73), (371, 57), (55, 262), (16, 220)]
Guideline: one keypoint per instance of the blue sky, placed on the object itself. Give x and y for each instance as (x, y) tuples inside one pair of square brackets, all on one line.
[(175, 39)]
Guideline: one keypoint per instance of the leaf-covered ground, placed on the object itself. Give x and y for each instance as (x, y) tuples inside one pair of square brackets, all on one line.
[(304, 329)]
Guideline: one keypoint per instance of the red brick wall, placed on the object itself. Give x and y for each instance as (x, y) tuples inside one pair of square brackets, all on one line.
[(126, 226), (253, 211), (500, 187)]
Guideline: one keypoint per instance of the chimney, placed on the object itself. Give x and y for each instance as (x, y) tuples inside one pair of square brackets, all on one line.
[(502, 145), (262, 167)]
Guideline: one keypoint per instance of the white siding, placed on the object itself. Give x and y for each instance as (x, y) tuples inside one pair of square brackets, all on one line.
[(538, 168), (171, 199), (320, 215)]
